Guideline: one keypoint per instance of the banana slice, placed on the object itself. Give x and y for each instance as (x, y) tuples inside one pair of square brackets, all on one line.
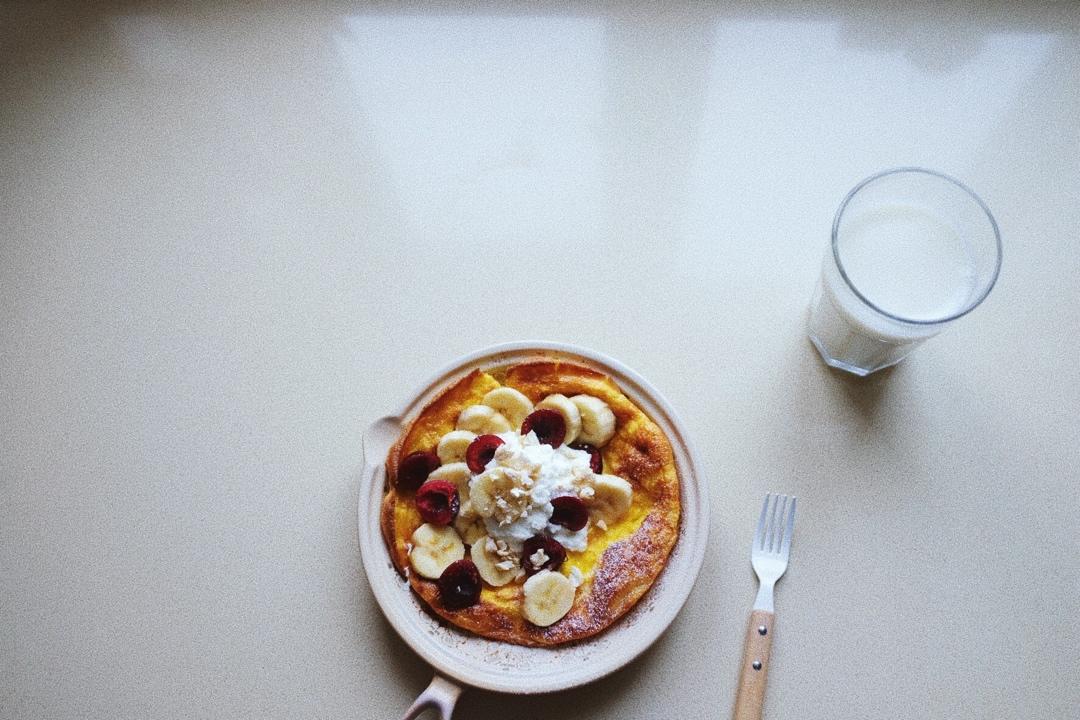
[(482, 494), (468, 524), (569, 411), (453, 445), (510, 403), (597, 420), (548, 597), (482, 420), (456, 473), (611, 500), (434, 548), (498, 493), (488, 563)]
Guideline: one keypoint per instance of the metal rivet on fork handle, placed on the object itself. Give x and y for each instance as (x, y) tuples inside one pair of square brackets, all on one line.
[(762, 630), (757, 665)]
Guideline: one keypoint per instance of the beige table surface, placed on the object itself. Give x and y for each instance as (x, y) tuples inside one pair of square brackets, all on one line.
[(229, 239)]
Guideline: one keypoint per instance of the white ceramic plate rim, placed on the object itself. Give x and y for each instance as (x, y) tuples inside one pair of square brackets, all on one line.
[(503, 667)]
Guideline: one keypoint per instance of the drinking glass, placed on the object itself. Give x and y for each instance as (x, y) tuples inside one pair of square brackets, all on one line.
[(912, 250)]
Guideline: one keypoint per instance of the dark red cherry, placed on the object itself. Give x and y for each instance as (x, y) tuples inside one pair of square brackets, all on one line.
[(570, 512), (549, 426), (596, 461), (554, 554), (414, 469), (459, 585), (480, 452), (438, 502)]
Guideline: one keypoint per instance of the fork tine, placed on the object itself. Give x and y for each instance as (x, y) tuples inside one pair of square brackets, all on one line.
[(778, 525), (759, 534), (772, 523), (790, 527)]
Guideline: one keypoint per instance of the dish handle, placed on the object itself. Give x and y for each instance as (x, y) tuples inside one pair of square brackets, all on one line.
[(440, 695), (377, 439)]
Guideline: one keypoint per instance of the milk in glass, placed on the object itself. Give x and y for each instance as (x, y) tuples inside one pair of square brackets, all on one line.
[(907, 263)]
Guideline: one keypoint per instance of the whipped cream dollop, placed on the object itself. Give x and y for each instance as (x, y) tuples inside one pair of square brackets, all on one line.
[(527, 475)]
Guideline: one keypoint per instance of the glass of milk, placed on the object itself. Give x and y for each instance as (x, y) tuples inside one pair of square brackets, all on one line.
[(912, 251)]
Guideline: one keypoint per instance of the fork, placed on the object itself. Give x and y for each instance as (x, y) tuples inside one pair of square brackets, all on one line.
[(769, 556)]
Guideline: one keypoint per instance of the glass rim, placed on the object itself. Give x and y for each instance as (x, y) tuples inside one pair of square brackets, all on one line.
[(941, 176)]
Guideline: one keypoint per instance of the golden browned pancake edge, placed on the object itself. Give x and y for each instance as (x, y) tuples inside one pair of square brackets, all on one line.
[(639, 452)]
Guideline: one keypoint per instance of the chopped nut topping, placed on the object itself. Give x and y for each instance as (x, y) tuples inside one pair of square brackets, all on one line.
[(509, 493), (506, 555), (601, 524), (505, 564), (538, 558)]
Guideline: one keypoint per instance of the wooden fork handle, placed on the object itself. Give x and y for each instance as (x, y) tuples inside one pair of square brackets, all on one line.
[(755, 666)]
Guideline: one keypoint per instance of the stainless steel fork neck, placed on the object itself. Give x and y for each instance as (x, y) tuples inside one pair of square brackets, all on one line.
[(764, 600)]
